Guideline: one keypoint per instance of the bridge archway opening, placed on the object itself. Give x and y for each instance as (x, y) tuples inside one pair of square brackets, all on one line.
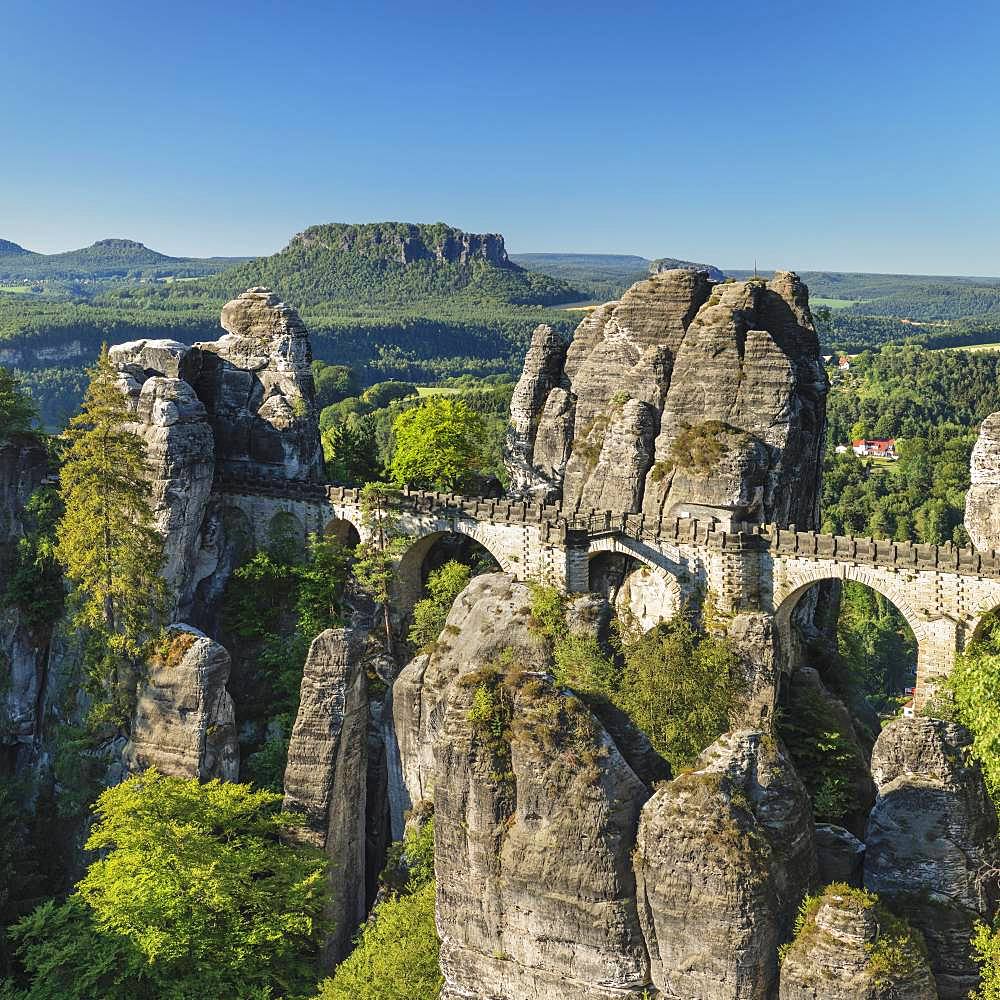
[(343, 532), (648, 595), (862, 643), (429, 553)]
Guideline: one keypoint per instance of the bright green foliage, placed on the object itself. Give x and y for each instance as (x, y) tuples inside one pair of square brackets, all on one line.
[(396, 957), (429, 615), (876, 645), (18, 413), (974, 687), (986, 946), (438, 445), (679, 686), (106, 540), (35, 585), (195, 894)]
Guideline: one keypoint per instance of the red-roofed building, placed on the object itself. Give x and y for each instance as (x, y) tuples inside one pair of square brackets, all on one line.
[(875, 448)]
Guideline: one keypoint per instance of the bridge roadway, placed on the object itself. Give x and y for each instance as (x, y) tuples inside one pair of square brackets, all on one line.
[(944, 592)]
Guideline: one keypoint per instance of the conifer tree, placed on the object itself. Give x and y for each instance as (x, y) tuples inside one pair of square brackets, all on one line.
[(107, 543)]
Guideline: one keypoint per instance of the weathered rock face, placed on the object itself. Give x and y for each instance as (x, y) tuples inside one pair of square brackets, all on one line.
[(172, 422), (542, 373), (681, 393), (489, 616), (931, 834), (982, 502), (256, 383), (184, 723), (723, 857), (23, 466), (535, 898), (851, 948), (533, 829), (840, 855), (326, 774)]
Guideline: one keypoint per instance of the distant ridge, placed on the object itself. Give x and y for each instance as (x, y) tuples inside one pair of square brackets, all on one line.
[(8, 249), (107, 258)]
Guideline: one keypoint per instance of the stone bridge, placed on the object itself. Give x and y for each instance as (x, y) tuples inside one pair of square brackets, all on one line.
[(944, 592)]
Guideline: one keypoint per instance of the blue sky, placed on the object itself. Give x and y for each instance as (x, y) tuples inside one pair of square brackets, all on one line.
[(850, 136)]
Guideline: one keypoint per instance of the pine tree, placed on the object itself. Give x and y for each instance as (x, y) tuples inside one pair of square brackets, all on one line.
[(107, 543)]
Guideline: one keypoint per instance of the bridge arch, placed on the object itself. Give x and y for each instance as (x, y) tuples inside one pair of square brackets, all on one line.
[(408, 581), (788, 598), (646, 591)]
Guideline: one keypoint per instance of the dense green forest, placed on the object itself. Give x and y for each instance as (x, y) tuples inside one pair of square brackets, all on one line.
[(932, 402)]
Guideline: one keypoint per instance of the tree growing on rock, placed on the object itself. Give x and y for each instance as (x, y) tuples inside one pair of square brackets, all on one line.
[(378, 553), (106, 540), (438, 445)]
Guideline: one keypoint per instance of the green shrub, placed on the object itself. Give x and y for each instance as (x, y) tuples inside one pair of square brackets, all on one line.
[(429, 615)]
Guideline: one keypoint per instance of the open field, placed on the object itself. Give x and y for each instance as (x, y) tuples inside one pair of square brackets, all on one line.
[(974, 347), (15, 289), (816, 300), (437, 390)]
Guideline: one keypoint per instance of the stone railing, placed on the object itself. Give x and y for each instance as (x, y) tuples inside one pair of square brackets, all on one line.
[(559, 525)]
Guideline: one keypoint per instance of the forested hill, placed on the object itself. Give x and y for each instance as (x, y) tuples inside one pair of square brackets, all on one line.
[(111, 258), (396, 263)]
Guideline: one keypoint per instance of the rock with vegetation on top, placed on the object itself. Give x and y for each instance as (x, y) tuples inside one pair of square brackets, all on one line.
[(685, 392), (326, 774), (982, 501), (931, 837), (535, 815), (724, 856), (184, 724), (257, 384), (489, 616), (849, 946), (535, 805)]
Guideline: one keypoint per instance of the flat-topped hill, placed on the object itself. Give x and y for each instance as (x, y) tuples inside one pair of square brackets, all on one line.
[(397, 263)]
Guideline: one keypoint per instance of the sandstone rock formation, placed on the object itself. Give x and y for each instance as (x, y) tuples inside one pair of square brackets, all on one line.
[(982, 502), (535, 801), (257, 385), (682, 396), (535, 899), (723, 857), (852, 948), (326, 774), (184, 723), (536, 470), (930, 837), (839, 855), (23, 651), (173, 423), (488, 617)]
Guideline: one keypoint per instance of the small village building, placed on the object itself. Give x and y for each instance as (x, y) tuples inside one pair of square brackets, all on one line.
[(875, 448)]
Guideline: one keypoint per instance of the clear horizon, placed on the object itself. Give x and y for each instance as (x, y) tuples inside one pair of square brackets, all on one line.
[(857, 140)]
